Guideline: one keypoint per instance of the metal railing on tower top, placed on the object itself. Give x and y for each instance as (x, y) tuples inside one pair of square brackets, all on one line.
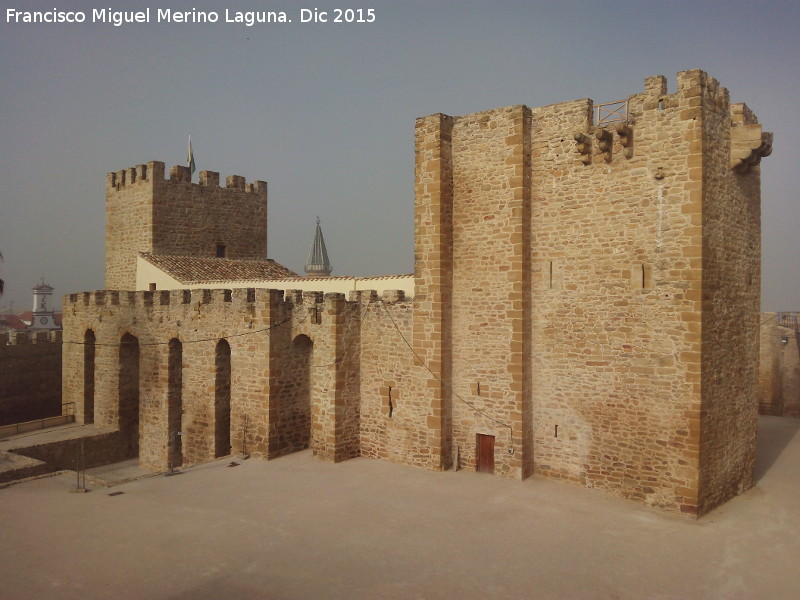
[(611, 112)]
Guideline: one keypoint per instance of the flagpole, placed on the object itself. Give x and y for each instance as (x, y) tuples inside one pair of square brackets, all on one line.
[(190, 158)]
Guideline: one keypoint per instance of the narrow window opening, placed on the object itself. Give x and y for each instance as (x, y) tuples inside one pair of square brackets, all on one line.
[(316, 314), (220, 250), (641, 276), (555, 432), (660, 104), (550, 275), (391, 406), (152, 287), (479, 388)]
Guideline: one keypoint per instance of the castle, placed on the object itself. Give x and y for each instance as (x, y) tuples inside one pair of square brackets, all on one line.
[(585, 307)]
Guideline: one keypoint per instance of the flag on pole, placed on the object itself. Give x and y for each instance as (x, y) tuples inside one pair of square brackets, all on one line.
[(190, 158)]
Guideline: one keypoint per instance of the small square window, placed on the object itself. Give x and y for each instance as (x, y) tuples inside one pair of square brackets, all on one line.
[(220, 250)]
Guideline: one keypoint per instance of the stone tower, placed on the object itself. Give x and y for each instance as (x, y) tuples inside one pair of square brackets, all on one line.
[(318, 264), (590, 284), (147, 213)]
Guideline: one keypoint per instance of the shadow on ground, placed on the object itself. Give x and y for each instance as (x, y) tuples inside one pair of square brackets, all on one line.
[(221, 588), (772, 441)]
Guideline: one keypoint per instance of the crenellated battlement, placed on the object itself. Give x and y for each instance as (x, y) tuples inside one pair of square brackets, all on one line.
[(149, 299), (741, 114), (154, 172), (146, 298), (151, 310), (24, 338), (613, 127)]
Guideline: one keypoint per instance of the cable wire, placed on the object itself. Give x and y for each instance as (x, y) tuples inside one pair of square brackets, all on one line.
[(439, 379)]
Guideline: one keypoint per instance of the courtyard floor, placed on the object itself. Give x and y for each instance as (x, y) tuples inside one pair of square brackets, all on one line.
[(298, 528)]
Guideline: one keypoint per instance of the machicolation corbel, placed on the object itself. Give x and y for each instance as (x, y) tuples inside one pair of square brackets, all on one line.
[(625, 133), (584, 147), (748, 146), (605, 142)]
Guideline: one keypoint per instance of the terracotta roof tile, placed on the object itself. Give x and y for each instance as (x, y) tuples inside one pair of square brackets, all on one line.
[(189, 269), (11, 321)]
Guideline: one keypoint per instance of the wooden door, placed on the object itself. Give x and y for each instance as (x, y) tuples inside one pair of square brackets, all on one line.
[(485, 453)]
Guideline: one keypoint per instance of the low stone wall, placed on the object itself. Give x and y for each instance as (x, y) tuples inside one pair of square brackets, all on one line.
[(98, 450), (30, 376), (25, 457), (14, 467), (779, 375)]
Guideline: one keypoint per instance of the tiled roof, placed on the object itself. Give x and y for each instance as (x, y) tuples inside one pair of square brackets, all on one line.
[(189, 269), (20, 321), (12, 322), (352, 277)]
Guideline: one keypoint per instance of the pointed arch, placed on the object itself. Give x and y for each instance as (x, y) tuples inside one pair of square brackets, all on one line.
[(222, 399), (129, 393), (175, 402), (88, 376)]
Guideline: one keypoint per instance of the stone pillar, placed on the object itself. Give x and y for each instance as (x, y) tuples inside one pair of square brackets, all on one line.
[(328, 378), (690, 94), (519, 297), (433, 212), (153, 385), (262, 428)]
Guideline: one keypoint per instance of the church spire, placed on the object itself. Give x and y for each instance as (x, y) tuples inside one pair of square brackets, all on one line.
[(318, 264)]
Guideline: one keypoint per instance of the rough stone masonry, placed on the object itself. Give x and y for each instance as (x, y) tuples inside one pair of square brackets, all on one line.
[(586, 308)]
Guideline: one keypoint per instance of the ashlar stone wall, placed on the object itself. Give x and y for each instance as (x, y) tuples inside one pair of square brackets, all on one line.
[(30, 376), (586, 309), (779, 366), (394, 421), (286, 386), (588, 292)]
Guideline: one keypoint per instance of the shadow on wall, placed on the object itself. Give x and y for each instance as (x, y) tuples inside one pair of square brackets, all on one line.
[(774, 434)]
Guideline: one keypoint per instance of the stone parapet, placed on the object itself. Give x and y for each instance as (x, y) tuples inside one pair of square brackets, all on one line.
[(154, 172)]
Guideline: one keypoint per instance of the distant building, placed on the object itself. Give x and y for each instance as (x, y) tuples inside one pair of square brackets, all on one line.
[(30, 361), (318, 264), (13, 322), (43, 315)]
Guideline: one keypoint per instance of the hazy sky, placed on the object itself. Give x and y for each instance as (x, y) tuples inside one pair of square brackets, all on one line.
[(325, 112)]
